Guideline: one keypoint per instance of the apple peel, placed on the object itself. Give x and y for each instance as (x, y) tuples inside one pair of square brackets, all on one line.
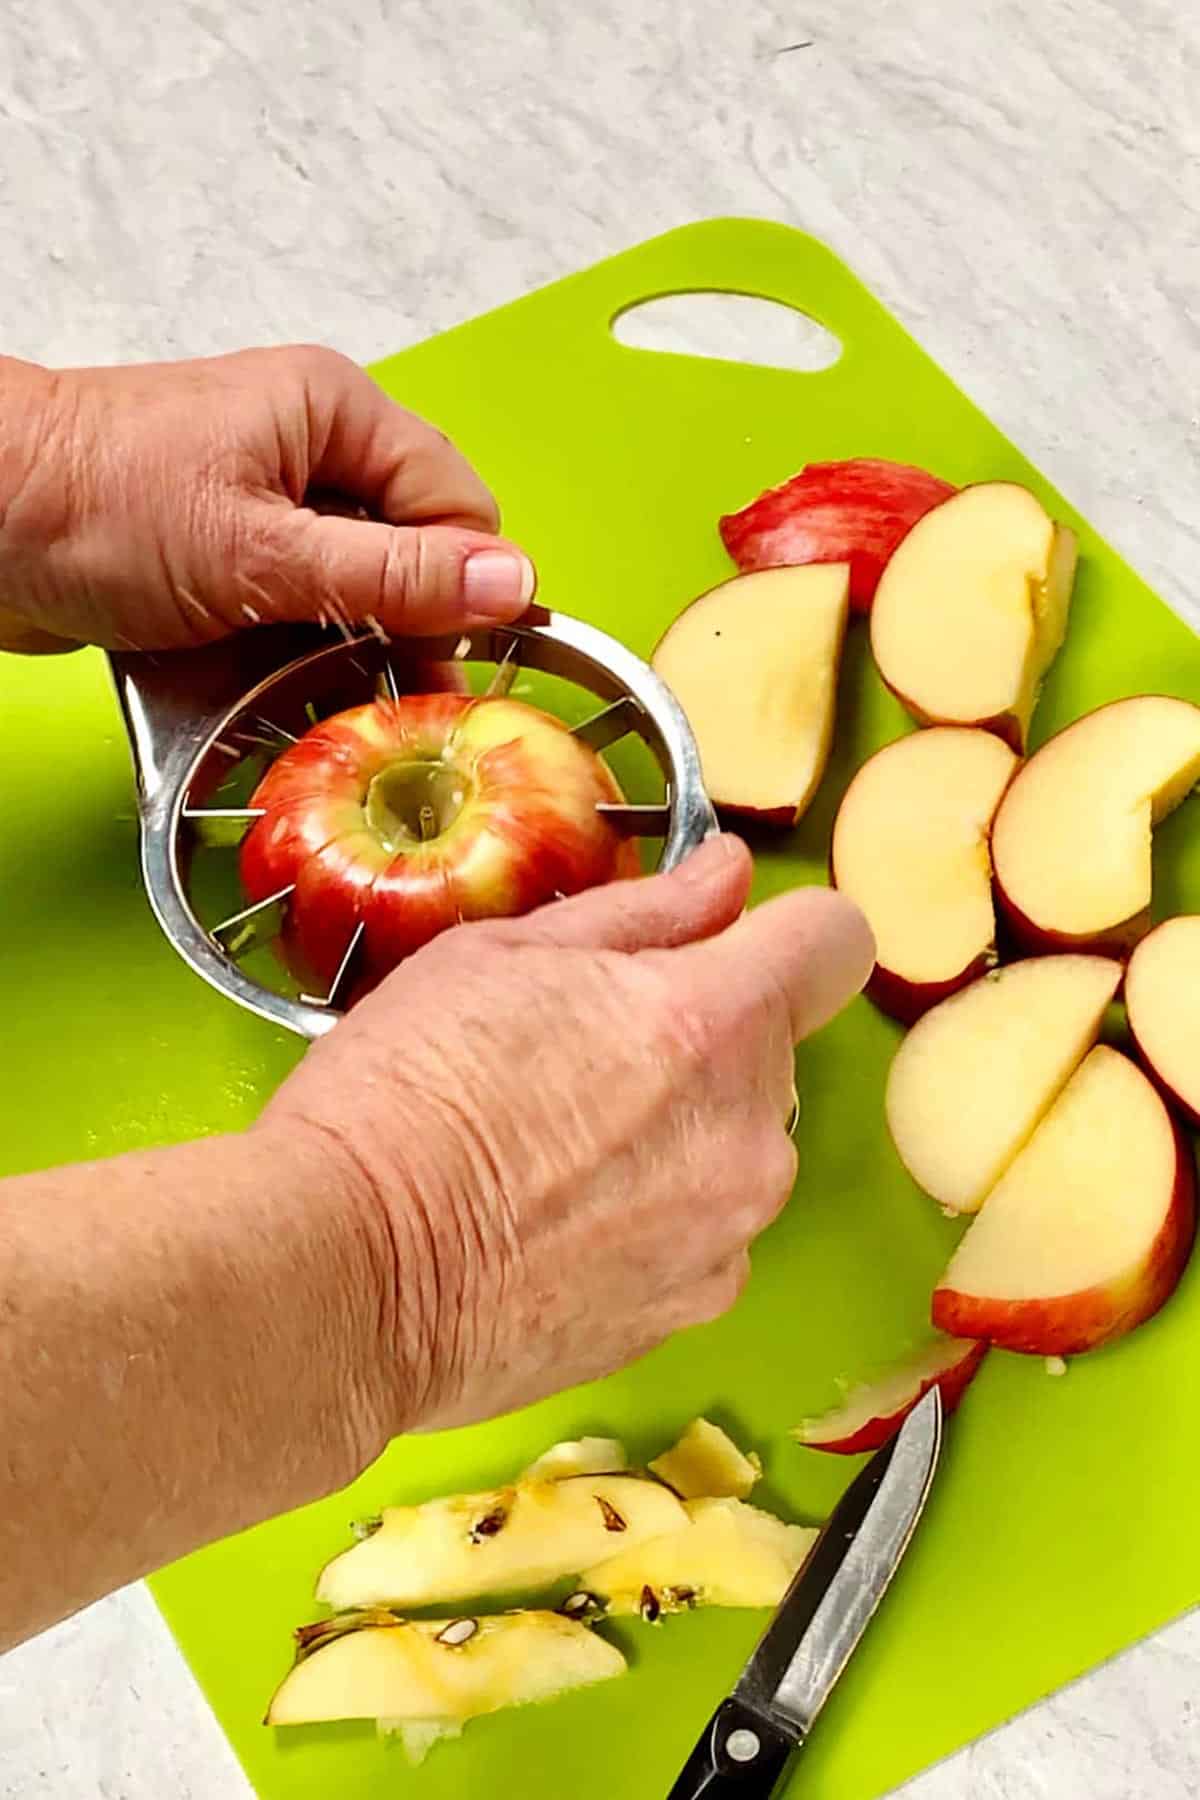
[(873, 1412), (856, 511), (1088, 1232)]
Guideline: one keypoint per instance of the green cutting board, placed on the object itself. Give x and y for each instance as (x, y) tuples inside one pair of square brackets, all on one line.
[(1063, 1524)]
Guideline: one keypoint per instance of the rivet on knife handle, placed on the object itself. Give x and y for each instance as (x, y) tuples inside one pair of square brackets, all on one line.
[(740, 1753)]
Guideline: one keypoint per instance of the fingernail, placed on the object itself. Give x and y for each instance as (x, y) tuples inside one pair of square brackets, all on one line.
[(497, 584)]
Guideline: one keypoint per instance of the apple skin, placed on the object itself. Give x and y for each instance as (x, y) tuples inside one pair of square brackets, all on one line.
[(770, 818), (875, 1432), (855, 511), (907, 1001), (1069, 1324), (527, 830), (1170, 1095), (1031, 939)]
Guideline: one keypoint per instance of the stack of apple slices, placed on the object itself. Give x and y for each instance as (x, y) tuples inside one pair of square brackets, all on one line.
[(676, 1536), (1006, 1108), (1002, 1101), (968, 594)]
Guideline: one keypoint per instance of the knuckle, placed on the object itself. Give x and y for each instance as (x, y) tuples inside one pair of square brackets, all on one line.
[(318, 359), (721, 1292), (681, 1030), (774, 1163)]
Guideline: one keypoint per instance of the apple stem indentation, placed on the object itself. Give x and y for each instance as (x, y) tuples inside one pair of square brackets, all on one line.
[(414, 802)]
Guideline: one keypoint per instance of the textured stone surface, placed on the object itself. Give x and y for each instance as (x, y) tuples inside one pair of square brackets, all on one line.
[(1018, 179)]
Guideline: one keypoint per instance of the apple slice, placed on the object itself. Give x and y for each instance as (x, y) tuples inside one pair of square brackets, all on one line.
[(854, 512), (972, 609), (875, 1411), (1090, 1229), (754, 665), (1162, 1000), (910, 844), (973, 1077), (728, 1554), (501, 1541), (427, 1678), (578, 1456), (707, 1464), (1071, 842)]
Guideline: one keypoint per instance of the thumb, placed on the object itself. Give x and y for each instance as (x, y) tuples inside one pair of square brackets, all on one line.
[(421, 580), (653, 912), (809, 952)]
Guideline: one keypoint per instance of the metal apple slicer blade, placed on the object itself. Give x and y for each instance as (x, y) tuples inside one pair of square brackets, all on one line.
[(205, 724)]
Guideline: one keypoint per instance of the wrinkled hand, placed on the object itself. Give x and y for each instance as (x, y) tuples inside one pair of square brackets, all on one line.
[(565, 1130), (166, 505)]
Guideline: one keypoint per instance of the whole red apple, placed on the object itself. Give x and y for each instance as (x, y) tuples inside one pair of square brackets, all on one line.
[(412, 815)]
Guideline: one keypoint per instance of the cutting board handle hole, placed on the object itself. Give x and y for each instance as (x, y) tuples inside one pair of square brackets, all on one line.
[(740, 328)]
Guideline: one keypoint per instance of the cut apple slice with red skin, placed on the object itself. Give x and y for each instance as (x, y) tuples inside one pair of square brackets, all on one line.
[(972, 609), (1162, 1003), (910, 845), (411, 816), (1088, 1232), (855, 512), (872, 1414), (754, 665), (972, 1079), (1071, 845)]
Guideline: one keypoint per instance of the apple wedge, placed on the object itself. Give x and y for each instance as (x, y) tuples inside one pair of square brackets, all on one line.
[(501, 1541), (854, 512), (706, 1464), (875, 1411), (426, 1679), (754, 665), (1162, 1001), (578, 1456), (974, 1076), (1071, 846), (728, 1554), (910, 845), (972, 610), (1088, 1232)]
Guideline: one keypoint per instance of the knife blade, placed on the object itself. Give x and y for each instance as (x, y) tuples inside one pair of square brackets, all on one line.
[(747, 1744)]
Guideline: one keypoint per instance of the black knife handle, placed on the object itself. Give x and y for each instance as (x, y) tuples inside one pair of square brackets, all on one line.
[(739, 1752)]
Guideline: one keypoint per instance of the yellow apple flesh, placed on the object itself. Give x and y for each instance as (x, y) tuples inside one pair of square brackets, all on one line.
[(1071, 846), (1162, 1000), (973, 1077), (972, 609), (754, 665), (910, 845), (1088, 1232)]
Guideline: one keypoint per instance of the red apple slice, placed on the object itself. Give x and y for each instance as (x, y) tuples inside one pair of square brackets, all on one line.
[(1162, 1000), (972, 610), (854, 512), (874, 1412), (910, 844), (1071, 842), (1088, 1232), (972, 1079), (754, 665)]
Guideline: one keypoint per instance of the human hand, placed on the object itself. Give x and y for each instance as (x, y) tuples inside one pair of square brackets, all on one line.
[(565, 1130), (166, 505)]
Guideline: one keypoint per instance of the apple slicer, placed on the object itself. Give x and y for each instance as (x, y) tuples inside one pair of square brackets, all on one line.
[(204, 724)]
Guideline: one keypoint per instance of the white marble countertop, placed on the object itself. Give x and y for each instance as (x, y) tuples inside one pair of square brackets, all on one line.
[(1018, 179)]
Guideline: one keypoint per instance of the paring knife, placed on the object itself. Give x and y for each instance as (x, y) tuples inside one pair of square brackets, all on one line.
[(746, 1745)]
